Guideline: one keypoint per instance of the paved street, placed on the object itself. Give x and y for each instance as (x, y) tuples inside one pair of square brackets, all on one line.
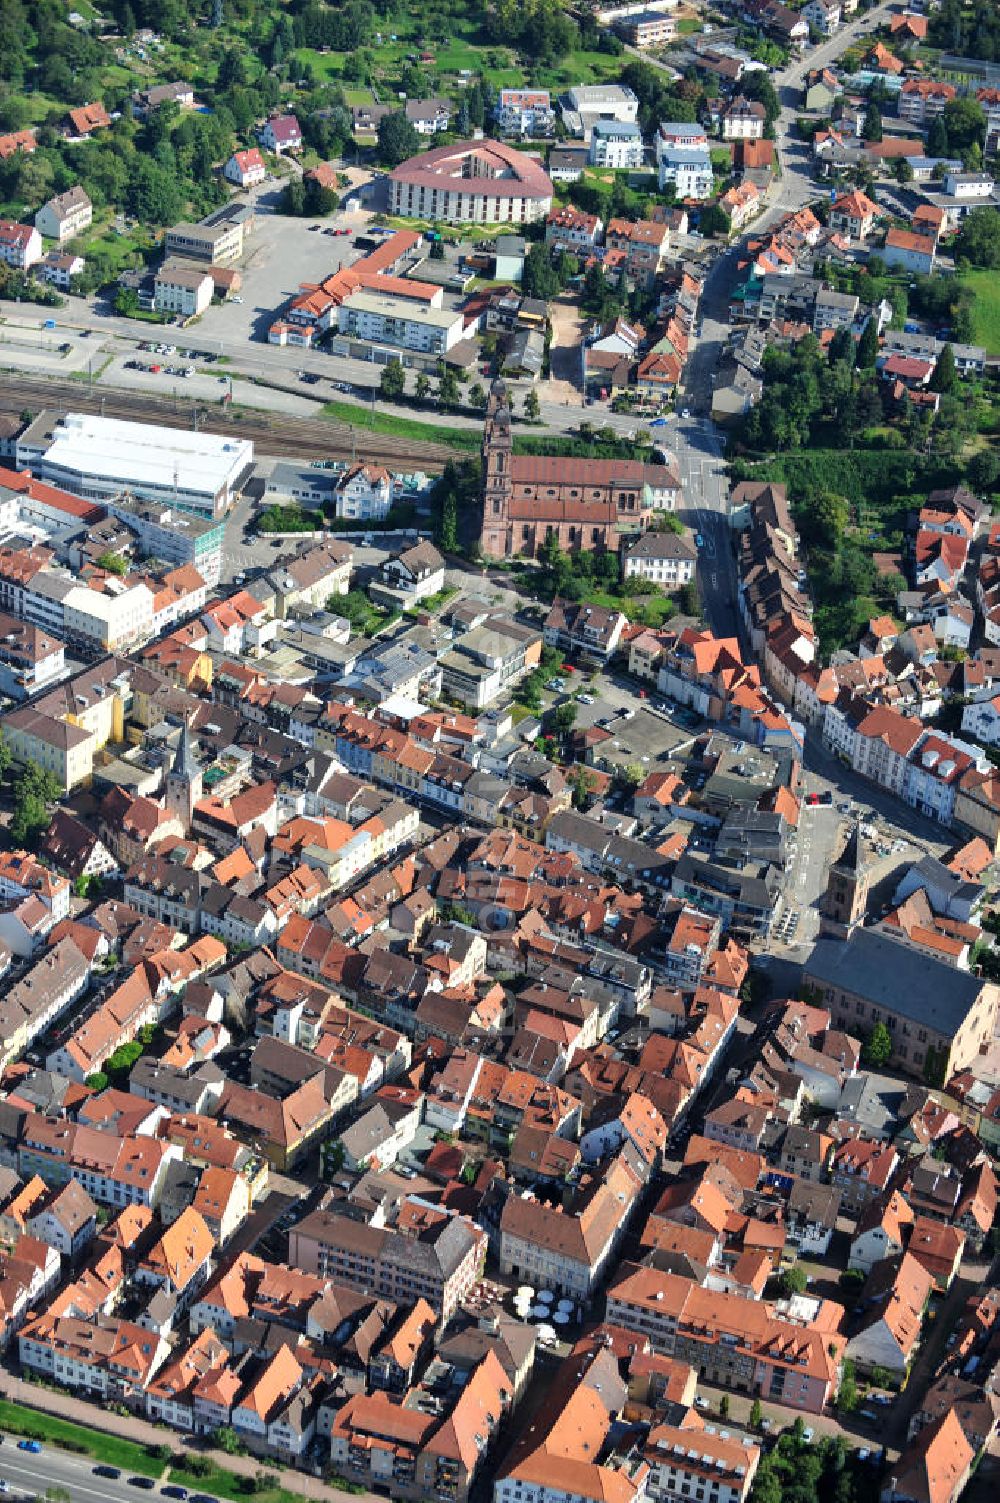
[(33, 1475)]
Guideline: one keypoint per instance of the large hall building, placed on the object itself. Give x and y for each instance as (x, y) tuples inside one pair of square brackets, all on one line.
[(472, 182), (587, 503)]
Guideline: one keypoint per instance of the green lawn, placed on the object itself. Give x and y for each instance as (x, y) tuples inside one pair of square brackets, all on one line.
[(986, 309), (383, 422), (17, 1419), (221, 1484)]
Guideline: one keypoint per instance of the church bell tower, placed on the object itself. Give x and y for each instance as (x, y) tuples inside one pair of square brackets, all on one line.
[(496, 484)]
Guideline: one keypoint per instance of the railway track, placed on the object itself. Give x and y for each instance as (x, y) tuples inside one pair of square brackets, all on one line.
[(275, 434)]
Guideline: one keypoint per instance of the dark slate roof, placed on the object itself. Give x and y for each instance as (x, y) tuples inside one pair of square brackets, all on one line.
[(891, 975)]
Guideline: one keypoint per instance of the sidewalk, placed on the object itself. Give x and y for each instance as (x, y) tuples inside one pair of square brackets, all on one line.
[(133, 1427)]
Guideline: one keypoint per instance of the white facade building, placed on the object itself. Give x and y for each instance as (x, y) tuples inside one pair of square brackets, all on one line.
[(100, 457), (615, 144), (402, 323), (689, 168)]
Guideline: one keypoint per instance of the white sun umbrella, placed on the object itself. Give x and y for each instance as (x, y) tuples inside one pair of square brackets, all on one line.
[(526, 1290), (547, 1333)]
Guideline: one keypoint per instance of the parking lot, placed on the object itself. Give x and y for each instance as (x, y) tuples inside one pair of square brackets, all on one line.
[(280, 255)]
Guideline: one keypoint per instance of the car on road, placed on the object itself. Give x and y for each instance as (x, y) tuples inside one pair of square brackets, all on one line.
[(203, 1498), (699, 541), (155, 369), (4, 1486), (146, 1483), (236, 300), (111, 1472), (686, 413), (34, 1446), (585, 699), (315, 227), (310, 379), (174, 1490)]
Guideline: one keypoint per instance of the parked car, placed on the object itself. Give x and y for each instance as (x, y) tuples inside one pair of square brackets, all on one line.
[(111, 1472), (33, 1446)]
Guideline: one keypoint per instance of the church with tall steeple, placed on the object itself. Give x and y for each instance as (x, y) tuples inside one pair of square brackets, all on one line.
[(586, 504), (183, 787)]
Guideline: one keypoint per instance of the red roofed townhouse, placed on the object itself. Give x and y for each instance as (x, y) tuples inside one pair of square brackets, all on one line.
[(170, 1395), (914, 250), (909, 369), (908, 27), (922, 99), (181, 1260), (280, 134), (880, 60), (939, 558), (571, 228), (232, 624), (933, 1468), (893, 1301), (17, 140), (861, 1171), (88, 118), (692, 1460), (854, 214), (245, 168), (734, 1342), (884, 742), (20, 244)]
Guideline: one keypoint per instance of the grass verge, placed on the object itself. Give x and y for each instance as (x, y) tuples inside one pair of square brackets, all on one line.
[(17, 1419), (382, 422), (223, 1484), (985, 308)]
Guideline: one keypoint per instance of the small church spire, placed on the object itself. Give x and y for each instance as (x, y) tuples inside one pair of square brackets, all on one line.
[(844, 905), (184, 780)]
